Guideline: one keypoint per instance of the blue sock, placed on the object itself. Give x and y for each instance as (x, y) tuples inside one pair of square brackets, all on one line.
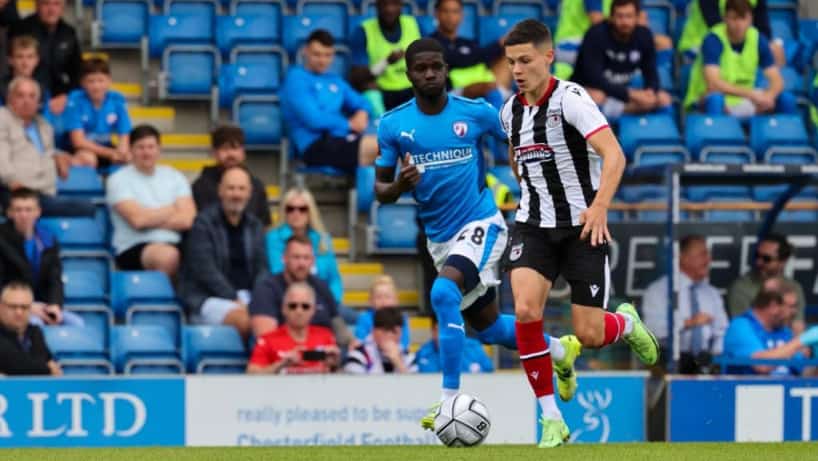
[(446, 298), (714, 104), (500, 332)]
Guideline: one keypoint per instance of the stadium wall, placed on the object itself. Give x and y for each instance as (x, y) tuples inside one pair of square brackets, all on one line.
[(294, 410)]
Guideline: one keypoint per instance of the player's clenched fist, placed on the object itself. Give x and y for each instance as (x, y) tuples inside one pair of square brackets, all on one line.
[(409, 175)]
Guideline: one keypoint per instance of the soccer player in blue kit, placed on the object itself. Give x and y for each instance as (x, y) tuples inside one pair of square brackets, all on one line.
[(436, 137)]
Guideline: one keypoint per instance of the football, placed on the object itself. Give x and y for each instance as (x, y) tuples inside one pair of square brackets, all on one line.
[(462, 421)]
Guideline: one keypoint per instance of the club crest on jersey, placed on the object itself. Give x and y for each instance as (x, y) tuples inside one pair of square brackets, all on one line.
[(460, 128), (516, 252)]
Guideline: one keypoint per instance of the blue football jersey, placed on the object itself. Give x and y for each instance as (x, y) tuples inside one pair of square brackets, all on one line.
[(446, 149)]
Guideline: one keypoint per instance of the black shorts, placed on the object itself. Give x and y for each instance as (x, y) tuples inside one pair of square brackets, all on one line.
[(131, 259), (341, 153), (559, 251)]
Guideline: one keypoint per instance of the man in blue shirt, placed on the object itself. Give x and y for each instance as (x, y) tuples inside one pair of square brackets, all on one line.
[(94, 114), (437, 138), (327, 118), (761, 333), (475, 359)]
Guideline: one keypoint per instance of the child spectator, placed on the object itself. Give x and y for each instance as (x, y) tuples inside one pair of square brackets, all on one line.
[(23, 60), (94, 114), (383, 294)]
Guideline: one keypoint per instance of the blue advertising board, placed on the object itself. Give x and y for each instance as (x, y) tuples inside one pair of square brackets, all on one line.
[(608, 407), (741, 409), (48, 412)]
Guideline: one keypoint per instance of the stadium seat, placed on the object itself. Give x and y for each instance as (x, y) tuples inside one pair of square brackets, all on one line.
[(78, 350), (164, 31), (808, 35), (273, 9), (259, 74), (204, 9), (98, 266), (82, 286), (297, 28), (331, 8), (81, 182), (804, 216), (493, 28), (368, 8), (233, 31), (651, 139), (210, 349), (98, 319), (769, 193), (393, 228), (169, 316), (642, 193), (120, 23), (129, 288), (260, 117), (528, 8), (781, 139), (703, 194), (661, 16), (79, 238), (506, 176), (144, 349), (188, 72), (717, 139)]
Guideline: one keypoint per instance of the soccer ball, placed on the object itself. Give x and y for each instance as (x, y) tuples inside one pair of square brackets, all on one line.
[(462, 421)]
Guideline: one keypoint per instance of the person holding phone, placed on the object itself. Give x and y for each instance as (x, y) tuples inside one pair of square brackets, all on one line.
[(296, 347)]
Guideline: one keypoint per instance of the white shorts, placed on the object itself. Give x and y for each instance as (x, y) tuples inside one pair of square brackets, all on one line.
[(483, 243), (214, 310)]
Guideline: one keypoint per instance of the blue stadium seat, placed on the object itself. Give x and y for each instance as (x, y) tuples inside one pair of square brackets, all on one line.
[(332, 8), (651, 139), (393, 229), (273, 9), (297, 28), (365, 187), (642, 193), (368, 8), (210, 349), (661, 16), (83, 287), (810, 216), (493, 28), (138, 349), (781, 139), (129, 288), (78, 350), (168, 316), (120, 23), (506, 176), (703, 194), (188, 72), (260, 117), (717, 139), (793, 81), (204, 9), (528, 8), (259, 78), (98, 319), (471, 15), (769, 193), (233, 31), (81, 182), (77, 235), (808, 35), (100, 267), (167, 30)]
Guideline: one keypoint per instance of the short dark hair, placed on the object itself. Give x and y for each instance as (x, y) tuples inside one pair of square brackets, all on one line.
[(528, 31), (784, 247), (740, 7), (302, 239), (618, 3), (765, 298), (422, 45), (688, 240), (439, 3), (388, 318), (227, 136), (321, 36), (144, 131), (16, 285), (23, 42), (94, 66), (24, 193)]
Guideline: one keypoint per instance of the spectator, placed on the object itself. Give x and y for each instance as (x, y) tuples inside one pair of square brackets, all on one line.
[(327, 117), (793, 318), (771, 257), (30, 253), (379, 43), (475, 360), (302, 218), (296, 346), (761, 333), (723, 77), (228, 150), (470, 71), (381, 352), (224, 256), (60, 52), (150, 207), (23, 350), (705, 14), (27, 154), (813, 107), (23, 60), (612, 53), (94, 114), (383, 294), (268, 292), (699, 318)]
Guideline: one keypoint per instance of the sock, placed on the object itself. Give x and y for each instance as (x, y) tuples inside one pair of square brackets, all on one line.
[(555, 346), (536, 360), (616, 326), (448, 393), (501, 332), (549, 407), (446, 298)]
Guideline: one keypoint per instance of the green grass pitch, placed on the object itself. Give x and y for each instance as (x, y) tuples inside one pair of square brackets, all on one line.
[(612, 452)]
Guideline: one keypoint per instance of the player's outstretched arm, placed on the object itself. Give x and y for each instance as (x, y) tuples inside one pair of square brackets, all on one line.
[(613, 166), (388, 188)]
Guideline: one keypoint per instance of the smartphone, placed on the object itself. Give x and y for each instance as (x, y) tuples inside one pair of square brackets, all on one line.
[(313, 355)]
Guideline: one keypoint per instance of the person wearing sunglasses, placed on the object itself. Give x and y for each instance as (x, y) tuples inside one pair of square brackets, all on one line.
[(297, 346), (771, 257), (299, 215)]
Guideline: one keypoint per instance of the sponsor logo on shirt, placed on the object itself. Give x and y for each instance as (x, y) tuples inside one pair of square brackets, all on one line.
[(534, 153), (442, 158), (460, 128)]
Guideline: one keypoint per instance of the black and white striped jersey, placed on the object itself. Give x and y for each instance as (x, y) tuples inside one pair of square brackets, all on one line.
[(559, 170)]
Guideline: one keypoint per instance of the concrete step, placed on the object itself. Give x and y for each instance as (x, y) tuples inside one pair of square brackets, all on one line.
[(131, 91), (162, 117)]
